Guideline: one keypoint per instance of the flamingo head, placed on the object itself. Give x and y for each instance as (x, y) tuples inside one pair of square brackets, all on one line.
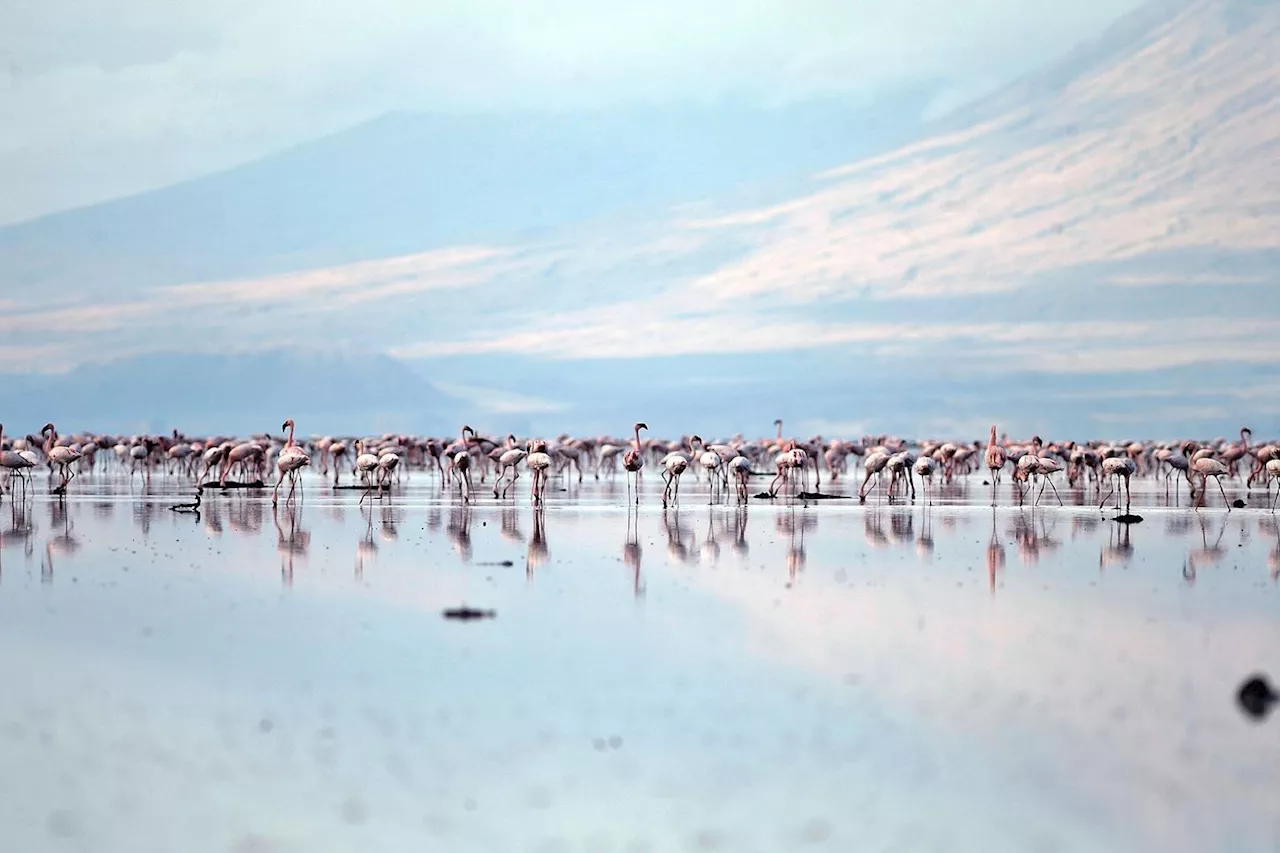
[(466, 430), (639, 427), (47, 428), (1246, 433), (288, 423)]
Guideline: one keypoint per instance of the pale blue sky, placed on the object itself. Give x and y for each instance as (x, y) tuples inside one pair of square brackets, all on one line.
[(124, 95)]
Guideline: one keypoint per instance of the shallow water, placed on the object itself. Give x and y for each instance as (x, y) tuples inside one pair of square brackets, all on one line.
[(835, 677)]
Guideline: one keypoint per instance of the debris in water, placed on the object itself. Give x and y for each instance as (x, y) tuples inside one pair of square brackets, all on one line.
[(1238, 503), (1257, 697), (1128, 518), (466, 614), (506, 563), (819, 496)]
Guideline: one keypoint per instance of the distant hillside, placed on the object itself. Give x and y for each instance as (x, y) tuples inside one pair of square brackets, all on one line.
[(1099, 242), (249, 392), (408, 182)]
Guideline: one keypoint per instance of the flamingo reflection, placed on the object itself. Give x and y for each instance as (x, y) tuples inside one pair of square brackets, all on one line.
[(1119, 548), (458, 529), (739, 528), (538, 552), (291, 539), (995, 554), (1206, 554), (676, 548), (632, 552), (710, 551)]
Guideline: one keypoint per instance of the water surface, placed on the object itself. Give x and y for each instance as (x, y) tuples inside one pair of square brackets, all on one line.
[(780, 677)]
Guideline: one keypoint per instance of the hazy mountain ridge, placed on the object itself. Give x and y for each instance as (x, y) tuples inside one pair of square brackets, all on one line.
[(408, 182), (1118, 217)]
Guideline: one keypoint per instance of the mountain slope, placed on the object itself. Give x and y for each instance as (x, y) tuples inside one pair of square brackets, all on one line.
[(408, 182), (1082, 233)]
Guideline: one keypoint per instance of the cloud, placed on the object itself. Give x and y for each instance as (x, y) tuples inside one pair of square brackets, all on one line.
[(498, 401), (132, 94)]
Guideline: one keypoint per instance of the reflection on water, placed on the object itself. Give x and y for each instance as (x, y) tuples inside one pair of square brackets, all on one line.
[(777, 677)]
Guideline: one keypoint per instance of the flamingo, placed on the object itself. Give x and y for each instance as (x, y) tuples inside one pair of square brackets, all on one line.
[(15, 462), (874, 464), (1273, 470), (337, 449), (209, 458), (539, 461), (242, 455), (58, 455), (1118, 466), (633, 461), (673, 465), (291, 460), (995, 459), (462, 463), (366, 463), (740, 467), (388, 462), (710, 462), (1206, 467), (508, 460), (925, 468), (1044, 467), (899, 465)]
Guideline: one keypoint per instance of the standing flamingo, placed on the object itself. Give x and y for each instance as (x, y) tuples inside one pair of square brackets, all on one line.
[(539, 461), (462, 463), (507, 461), (58, 455), (995, 459), (15, 462), (291, 460), (633, 461)]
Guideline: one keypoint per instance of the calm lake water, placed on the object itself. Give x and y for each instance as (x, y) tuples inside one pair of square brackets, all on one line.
[(831, 677)]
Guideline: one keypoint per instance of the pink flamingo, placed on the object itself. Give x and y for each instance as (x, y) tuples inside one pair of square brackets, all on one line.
[(58, 455), (462, 463), (291, 460), (538, 461), (633, 461), (995, 459)]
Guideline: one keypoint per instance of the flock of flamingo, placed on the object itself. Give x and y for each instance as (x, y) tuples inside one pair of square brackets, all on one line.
[(376, 464)]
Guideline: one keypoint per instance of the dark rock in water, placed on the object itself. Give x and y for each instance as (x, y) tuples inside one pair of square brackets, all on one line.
[(361, 487), (819, 496), (986, 482), (765, 496), (506, 563), (467, 614), (232, 484), (1128, 518), (1257, 697), (1238, 503)]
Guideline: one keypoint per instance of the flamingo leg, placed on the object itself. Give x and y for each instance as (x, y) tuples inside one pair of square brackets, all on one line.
[(1218, 480), (1103, 502)]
